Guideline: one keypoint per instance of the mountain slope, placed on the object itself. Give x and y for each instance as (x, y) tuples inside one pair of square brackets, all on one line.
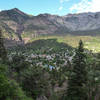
[(16, 22)]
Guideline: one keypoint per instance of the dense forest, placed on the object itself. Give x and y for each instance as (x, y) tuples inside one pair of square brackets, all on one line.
[(48, 70)]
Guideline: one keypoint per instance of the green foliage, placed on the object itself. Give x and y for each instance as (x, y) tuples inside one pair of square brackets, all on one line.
[(93, 76), (78, 79), (3, 53), (54, 96), (34, 82), (4, 90), (18, 63), (16, 93), (4, 83), (43, 68), (9, 89)]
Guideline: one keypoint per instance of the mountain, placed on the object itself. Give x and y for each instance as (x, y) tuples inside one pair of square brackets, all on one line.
[(17, 23)]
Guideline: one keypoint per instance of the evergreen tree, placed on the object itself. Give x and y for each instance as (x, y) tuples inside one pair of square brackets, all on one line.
[(3, 53), (78, 78)]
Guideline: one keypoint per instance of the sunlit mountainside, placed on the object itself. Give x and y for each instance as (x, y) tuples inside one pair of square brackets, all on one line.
[(15, 22)]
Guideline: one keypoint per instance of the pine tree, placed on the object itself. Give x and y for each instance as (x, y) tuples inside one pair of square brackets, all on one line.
[(78, 78), (3, 53)]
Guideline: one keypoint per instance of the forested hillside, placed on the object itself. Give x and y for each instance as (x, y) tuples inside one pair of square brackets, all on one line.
[(46, 69)]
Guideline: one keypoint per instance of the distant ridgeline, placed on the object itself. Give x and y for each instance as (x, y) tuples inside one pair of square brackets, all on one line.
[(17, 24)]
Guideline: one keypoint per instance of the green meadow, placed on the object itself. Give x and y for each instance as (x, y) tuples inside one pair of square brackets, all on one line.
[(90, 42)]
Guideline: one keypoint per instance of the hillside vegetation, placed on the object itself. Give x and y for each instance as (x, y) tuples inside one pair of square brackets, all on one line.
[(50, 68), (49, 57), (90, 42)]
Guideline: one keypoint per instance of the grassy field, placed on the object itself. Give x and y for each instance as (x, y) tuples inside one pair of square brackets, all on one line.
[(90, 42)]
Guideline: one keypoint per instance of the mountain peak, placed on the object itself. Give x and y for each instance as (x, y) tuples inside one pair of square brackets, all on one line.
[(15, 9), (18, 11)]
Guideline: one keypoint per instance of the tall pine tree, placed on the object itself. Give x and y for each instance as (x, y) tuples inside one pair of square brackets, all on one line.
[(78, 78), (3, 53)]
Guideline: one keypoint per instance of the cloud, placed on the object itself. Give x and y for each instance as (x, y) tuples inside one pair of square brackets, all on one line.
[(86, 6), (60, 8)]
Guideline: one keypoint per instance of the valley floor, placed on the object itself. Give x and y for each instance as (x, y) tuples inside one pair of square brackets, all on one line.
[(90, 42)]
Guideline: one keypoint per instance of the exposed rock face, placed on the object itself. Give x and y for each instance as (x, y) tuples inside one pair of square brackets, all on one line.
[(83, 21), (15, 21)]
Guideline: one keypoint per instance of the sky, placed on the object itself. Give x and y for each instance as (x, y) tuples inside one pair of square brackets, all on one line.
[(56, 7)]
